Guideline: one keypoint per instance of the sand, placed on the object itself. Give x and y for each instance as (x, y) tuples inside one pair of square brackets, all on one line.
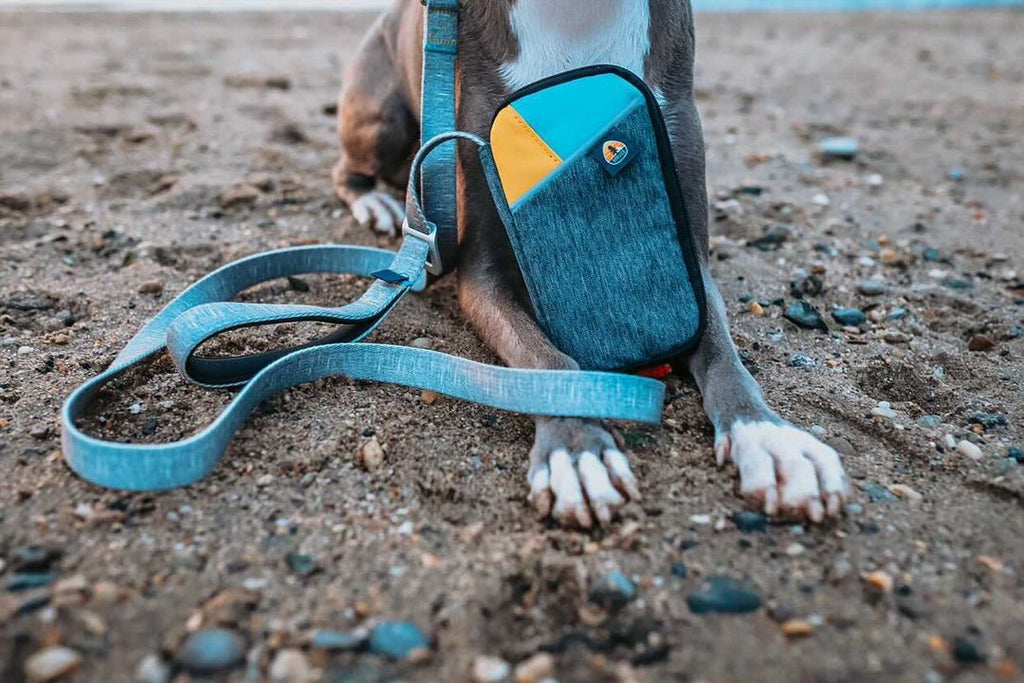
[(119, 136)]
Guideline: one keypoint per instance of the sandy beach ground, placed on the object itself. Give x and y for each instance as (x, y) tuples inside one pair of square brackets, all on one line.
[(139, 151)]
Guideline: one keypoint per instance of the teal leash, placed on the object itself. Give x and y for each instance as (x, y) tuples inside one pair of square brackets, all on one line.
[(205, 310)]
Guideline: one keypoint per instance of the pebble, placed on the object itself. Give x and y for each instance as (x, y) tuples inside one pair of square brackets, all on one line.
[(797, 628), (850, 317), (241, 195), (422, 343), (52, 663), (613, 591), (949, 441), (700, 520), (678, 570), (1015, 453), (771, 240), (966, 652), (897, 314), (723, 595), (980, 343), (151, 287), (750, 522), (798, 360), (957, 175), (754, 308), (970, 450), (878, 582), (906, 493), (989, 420), (371, 455), (152, 669), (840, 148), (876, 493), (22, 581), (337, 641), (805, 315), (211, 651), (398, 640), (25, 350), (821, 199), (875, 180), (490, 670), (301, 565), (871, 288), (537, 668), (884, 409), (290, 666)]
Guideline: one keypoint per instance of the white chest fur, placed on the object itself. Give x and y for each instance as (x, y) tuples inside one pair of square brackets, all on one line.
[(559, 35)]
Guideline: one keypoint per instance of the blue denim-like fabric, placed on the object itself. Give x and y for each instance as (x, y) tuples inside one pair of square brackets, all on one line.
[(602, 259)]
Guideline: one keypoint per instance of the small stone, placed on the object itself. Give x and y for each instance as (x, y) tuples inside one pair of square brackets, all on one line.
[(750, 522), (989, 420), (428, 397), (772, 240), (878, 583), (876, 493), (980, 343), (754, 308), (678, 570), (25, 350), (152, 669), (966, 652), (821, 199), (1016, 454), (906, 493), (840, 570), (871, 288), (723, 595), (151, 287), (845, 148), (875, 180), (700, 520), (239, 195), (884, 409), (301, 565), (613, 591), (422, 343), (490, 670), (290, 666), (849, 317), (371, 455), (52, 663), (20, 581), (957, 283), (805, 315), (970, 450), (795, 549), (34, 559), (337, 641), (957, 175), (398, 640), (799, 360), (537, 668), (796, 628), (212, 651), (993, 564), (897, 314)]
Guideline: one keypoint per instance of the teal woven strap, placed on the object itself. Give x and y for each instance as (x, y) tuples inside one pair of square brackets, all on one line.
[(203, 310)]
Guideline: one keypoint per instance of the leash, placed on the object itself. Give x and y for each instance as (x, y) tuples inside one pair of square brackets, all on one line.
[(205, 310)]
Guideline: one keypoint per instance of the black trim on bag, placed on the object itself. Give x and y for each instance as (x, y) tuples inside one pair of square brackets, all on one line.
[(670, 175)]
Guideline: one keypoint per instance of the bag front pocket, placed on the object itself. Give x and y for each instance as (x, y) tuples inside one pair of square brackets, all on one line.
[(599, 248)]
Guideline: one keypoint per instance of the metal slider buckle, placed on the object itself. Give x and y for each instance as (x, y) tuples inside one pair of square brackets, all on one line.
[(433, 264)]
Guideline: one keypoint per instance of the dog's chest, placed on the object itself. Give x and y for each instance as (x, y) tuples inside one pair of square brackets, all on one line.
[(559, 35)]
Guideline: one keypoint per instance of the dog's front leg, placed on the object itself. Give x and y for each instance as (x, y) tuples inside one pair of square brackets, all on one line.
[(782, 468), (577, 474)]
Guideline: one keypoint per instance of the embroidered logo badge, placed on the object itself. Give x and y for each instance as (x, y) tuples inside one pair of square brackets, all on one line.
[(614, 155), (615, 152)]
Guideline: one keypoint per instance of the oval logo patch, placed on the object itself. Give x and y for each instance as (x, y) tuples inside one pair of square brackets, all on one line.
[(615, 152)]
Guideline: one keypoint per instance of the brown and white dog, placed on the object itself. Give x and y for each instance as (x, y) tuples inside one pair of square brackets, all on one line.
[(577, 474)]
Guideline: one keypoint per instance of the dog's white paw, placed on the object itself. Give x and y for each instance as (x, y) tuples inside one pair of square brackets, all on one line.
[(579, 487), (380, 211), (785, 469)]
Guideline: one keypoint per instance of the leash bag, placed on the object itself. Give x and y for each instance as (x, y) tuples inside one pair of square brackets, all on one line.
[(590, 199)]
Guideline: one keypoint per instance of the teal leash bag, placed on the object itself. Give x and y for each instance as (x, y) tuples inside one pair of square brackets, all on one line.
[(206, 310)]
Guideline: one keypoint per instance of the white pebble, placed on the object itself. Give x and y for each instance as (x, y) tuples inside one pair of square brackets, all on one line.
[(948, 441), (152, 669), (490, 670), (875, 180), (884, 409), (970, 450), (52, 663), (701, 520), (822, 200), (25, 350), (290, 666)]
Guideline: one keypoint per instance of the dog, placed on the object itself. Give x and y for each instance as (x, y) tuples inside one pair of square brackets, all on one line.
[(577, 473)]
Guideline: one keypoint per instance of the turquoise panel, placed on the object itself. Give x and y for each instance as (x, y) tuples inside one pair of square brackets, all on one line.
[(568, 116)]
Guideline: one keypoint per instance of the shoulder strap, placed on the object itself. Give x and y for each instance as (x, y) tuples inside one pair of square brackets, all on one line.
[(438, 116)]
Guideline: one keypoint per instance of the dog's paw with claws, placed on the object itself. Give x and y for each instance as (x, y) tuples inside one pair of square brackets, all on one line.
[(578, 476), (379, 211), (785, 470)]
